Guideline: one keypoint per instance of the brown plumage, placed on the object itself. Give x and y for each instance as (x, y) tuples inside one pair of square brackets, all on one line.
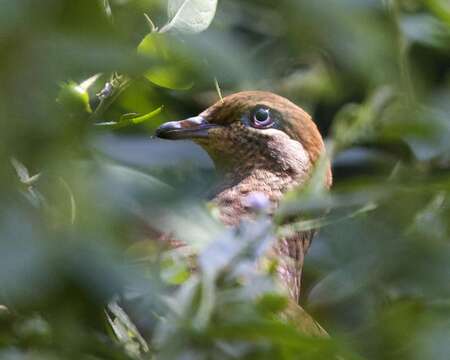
[(260, 143)]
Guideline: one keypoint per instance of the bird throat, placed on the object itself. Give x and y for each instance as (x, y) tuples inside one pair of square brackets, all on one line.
[(271, 170), (237, 183)]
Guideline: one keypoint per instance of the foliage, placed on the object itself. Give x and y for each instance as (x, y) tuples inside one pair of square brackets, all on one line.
[(84, 85)]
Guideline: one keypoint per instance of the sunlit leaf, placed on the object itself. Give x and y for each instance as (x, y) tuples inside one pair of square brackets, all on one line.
[(190, 16), (108, 10), (169, 76), (86, 84), (440, 8), (171, 67), (131, 119), (21, 170), (74, 98)]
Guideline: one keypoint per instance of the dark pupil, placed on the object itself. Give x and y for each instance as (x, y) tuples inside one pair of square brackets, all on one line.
[(262, 115)]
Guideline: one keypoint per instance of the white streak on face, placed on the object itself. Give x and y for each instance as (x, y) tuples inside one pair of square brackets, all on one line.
[(287, 151)]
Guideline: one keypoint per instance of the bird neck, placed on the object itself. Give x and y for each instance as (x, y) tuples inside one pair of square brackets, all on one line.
[(245, 168), (235, 186)]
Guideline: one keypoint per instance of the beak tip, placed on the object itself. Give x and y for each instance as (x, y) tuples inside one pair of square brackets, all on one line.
[(160, 133)]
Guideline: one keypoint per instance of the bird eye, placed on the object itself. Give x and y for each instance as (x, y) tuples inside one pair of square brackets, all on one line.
[(261, 118)]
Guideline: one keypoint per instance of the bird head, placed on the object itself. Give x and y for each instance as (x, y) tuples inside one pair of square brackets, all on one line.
[(253, 130)]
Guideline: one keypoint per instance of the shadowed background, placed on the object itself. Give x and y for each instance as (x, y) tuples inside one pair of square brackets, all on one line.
[(375, 76)]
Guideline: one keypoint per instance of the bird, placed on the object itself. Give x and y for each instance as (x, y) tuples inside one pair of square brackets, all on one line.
[(262, 146)]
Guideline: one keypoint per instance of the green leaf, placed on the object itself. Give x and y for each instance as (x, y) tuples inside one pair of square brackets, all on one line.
[(131, 119), (125, 330), (272, 303), (175, 270), (74, 98), (171, 66), (358, 123), (86, 84), (169, 76), (190, 16), (427, 30), (441, 8)]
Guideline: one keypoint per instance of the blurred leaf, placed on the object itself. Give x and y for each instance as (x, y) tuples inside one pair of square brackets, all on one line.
[(73, 204), (427, 30), (425, 130), (251, 241), (125, 331), (169, 76), (272, 303), (358, 123), (23, 174), (35, 329), (343, 283), (175, 269), (171, 66), (373, 74), (293, 228), (190, 16), (86, 84), (74, 99), (28, 189), (108, 10), (131, 119), (440, 8)]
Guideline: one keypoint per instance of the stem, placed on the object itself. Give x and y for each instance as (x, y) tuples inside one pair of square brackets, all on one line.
[(402, 53)]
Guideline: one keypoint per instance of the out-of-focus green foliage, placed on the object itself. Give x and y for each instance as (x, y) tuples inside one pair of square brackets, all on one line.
[(85, 190)]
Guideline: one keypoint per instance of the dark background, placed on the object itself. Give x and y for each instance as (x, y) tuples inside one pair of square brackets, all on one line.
[(373, 74)]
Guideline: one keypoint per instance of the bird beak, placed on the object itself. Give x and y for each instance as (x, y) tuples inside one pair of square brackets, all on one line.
[(193, 128)]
